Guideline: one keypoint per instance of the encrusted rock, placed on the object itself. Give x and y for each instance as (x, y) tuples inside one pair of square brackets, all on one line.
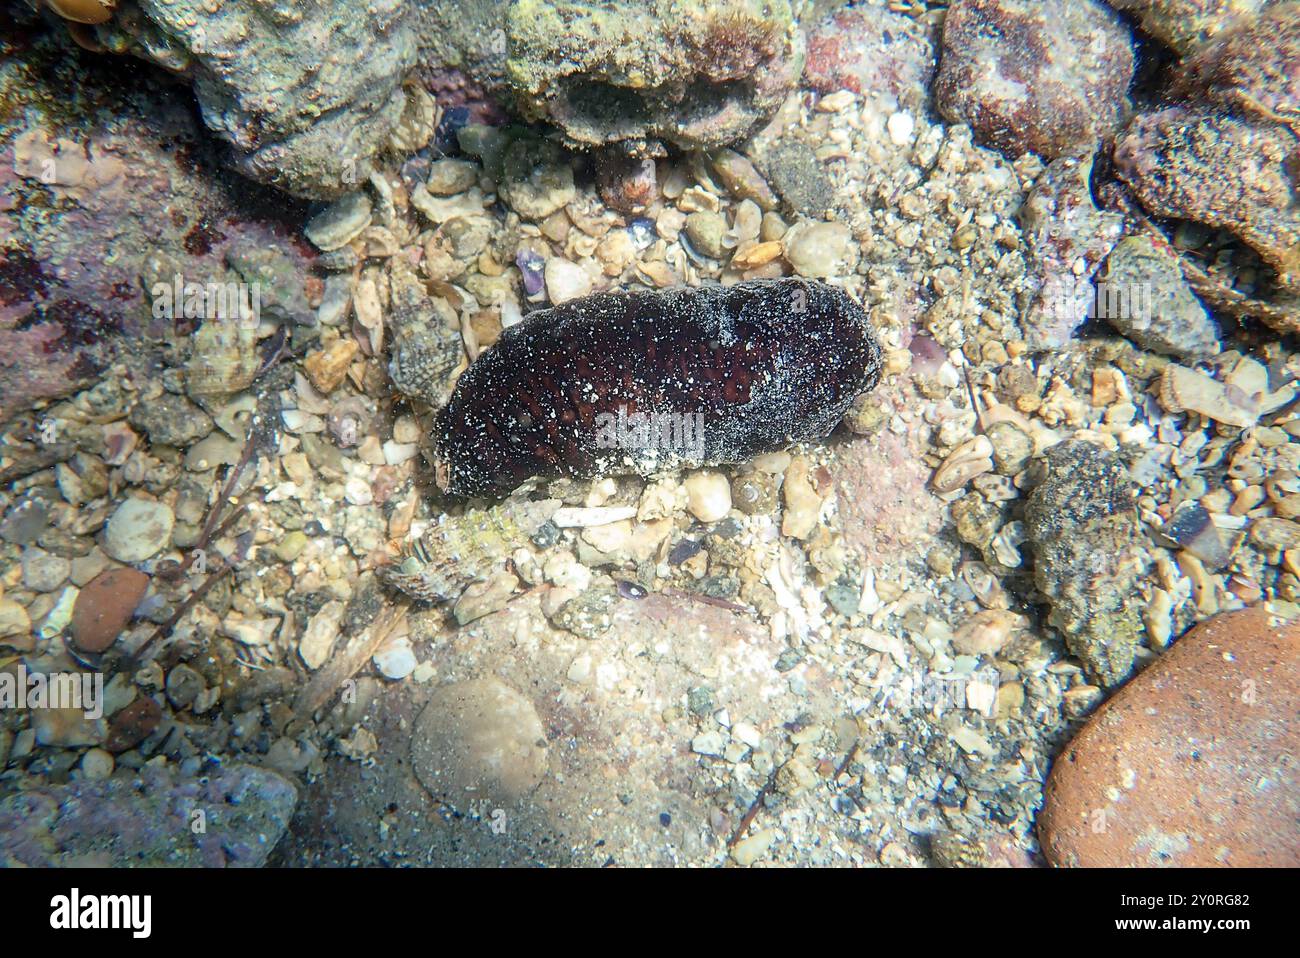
[(1034, 77), (702, 77), (1088, 554)]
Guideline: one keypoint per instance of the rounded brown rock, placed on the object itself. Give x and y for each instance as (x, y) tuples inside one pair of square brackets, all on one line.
[(479, 741), (1192, 763), (104, 607)]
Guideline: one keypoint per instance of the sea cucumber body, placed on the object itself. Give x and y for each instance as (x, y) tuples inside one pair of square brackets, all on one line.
[(757, 366)]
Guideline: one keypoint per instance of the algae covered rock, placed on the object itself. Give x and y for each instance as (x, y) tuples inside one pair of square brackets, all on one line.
[(151, 820), (304, 94), (697, 75), (1082, 524)]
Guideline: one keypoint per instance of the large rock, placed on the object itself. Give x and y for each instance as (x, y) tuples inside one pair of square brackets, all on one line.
[(229, 817), (1192, 764), (697, 75), (305, 94), (1034, 77)]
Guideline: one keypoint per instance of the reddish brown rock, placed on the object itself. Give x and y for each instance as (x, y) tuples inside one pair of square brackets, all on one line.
[(1029, 76), (1193, 762), (103, 608), (133, 724)]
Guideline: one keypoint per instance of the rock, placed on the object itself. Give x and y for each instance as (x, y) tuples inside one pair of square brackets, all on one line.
[(105, 606), (327, 367), (133, 724), (1031, 77), (741, 179), (44, 571), (1226, 172), (170, 420), (147, 820), (821, 250), (320, 635), (795, 172), (708, 495), (588, 616), (339, 223), (706, 232), (448, 177), (15, 625), (626, 183), (291, 546), (702, 77), (138, 529), (304, 102), (753, 847), (872, 51), (802, 503), (565, 281), (1189, 764), (479, 741), (1145, 297), (67, 727), (535, 179), (97, 764), (1187, 24), (1068, 239), (395, 660), (484, 598), (1081, 523)]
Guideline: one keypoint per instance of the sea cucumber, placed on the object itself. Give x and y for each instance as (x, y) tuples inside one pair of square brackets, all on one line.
[(643, 382)]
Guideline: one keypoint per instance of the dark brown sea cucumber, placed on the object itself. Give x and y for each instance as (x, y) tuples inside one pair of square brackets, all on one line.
[(642, 382)]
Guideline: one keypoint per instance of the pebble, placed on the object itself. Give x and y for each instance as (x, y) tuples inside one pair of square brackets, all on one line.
[(1185, 766), (708, 495), (479, 741), (706, 232), (97, 764), (447, 177), (14, 621), (291, 546), (821, 250), (340, 222), (170, 420), (1145, 296), (67, 727), (320, 635), (395, 660), (565, 281), (741, 179), (797, 174), (138, 529), (327, 367), (105, 606), (44, 571), (753, 847)]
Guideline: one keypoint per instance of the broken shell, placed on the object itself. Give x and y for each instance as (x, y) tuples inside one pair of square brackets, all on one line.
[(83, 11), (972, 458)]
